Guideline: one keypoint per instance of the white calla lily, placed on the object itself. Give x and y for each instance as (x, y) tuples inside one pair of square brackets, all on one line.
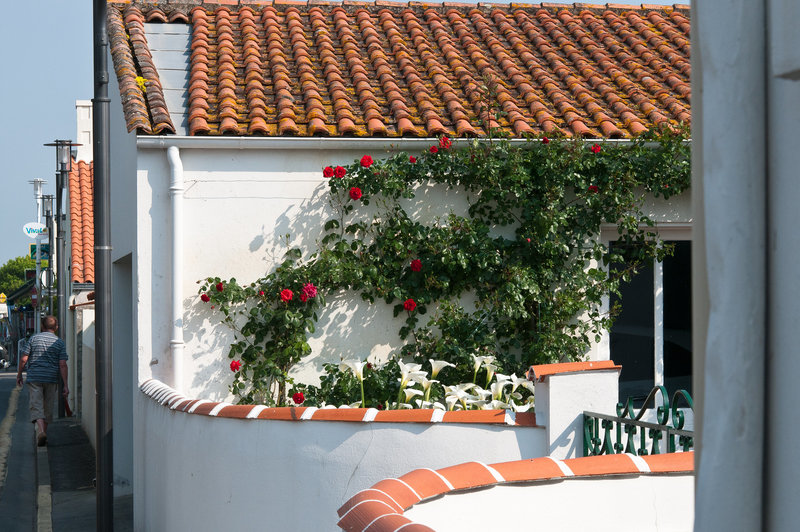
[(356, 367), (439, 365), (497, 389), (451, 401), (490, 369), (411, 392), (516, 382)]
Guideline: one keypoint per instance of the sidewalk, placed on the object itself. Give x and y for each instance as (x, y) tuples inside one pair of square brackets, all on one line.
[(67, 499)]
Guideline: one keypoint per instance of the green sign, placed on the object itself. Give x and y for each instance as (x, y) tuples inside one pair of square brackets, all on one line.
[(44, 254)]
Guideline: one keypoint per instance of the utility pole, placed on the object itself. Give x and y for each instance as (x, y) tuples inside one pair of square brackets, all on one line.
[(102, 256)]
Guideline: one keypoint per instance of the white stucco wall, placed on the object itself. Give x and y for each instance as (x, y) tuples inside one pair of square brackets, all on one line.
[(238, 206), (197, 472)]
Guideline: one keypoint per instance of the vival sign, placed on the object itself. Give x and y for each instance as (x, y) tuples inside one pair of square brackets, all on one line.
[(34, 229)]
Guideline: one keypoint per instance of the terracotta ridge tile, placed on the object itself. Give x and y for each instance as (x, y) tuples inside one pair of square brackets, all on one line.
[(135, 108), (199, 89), (160, 119)]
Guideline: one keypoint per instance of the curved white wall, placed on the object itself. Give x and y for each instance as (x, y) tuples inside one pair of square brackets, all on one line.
[(198, 472)]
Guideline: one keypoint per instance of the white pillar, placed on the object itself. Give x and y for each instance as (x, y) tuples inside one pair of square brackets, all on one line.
[(782, 467), (563, 392), (728, 105)]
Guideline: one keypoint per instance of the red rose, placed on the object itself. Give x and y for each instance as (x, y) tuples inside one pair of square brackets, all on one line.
[(545, 140), (327, 172), (339, 172), (261, 292), (596, 148), (529, 241), (593, 189), (298, 398), (434, 149), (310, 290), (235, 365), (416, 265), (366, 161), (409, 305), (205, 298), (412, 159), (303, 297), (286, 295), (445, 143), (355, 193), (220, 287)]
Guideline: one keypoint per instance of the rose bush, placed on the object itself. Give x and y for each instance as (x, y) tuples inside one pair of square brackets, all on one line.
[(538, 290)]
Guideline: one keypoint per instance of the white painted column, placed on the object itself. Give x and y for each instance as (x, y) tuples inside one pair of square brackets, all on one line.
[(728, 105), (562, 397), (782, 494)]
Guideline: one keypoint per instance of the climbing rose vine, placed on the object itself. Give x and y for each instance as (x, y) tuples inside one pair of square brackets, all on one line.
[(527, 252)]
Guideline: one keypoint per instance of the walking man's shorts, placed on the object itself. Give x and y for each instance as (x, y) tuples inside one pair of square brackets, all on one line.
[(43, 397)]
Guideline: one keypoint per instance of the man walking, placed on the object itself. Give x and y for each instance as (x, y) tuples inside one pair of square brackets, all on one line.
[(46, 357)]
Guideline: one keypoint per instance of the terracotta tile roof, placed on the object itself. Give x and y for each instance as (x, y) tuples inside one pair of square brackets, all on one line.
[(410, 69), (169, 397), (381, 507), (81, 218)]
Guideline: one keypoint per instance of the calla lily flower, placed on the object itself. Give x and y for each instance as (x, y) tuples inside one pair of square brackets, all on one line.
[(439, 365), (410, 372), (518, 381), (411, 392), (490, 369), (478, 404), (358, 370), (356, 367), (451, 401), (497, 390)]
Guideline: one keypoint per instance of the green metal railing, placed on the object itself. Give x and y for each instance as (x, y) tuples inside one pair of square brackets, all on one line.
[(626, 433)]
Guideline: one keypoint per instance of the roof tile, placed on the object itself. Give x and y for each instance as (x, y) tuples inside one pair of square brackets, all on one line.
[(81, 213), (410, 69)]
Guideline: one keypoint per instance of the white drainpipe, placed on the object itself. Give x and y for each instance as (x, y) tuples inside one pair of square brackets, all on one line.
[(176, 199)]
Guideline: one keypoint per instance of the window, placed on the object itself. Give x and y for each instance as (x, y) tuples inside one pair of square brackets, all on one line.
[(652, 336)]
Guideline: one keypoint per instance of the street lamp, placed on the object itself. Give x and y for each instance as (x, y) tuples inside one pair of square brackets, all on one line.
[(47, 208), (63, 168)]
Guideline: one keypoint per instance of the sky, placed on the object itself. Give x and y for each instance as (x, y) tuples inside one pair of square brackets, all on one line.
[(46, 58)]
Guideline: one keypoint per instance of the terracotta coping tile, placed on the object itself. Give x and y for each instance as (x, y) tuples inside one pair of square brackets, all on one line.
[(545, 370), (602, 465), (340, 414), (475, 416), (527, 470), (469, 475), (426, 483), (668, 463), (360, 516)]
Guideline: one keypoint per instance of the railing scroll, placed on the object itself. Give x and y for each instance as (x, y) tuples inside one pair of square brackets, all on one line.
[(627, 433)]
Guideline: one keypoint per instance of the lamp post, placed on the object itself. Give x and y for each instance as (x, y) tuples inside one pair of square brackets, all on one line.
[(47, 207), (63, 168), (37, 194)]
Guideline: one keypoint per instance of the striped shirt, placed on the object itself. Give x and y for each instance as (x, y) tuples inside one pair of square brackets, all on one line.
[(44, 351)]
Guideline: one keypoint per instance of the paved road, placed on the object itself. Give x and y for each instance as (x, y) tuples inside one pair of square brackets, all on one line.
[(17, 474)]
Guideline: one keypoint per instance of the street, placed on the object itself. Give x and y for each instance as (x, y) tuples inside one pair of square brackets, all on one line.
[(17, 473)]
